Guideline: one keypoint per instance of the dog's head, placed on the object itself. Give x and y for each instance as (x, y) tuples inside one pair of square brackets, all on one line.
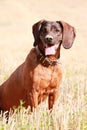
[(52, 34)]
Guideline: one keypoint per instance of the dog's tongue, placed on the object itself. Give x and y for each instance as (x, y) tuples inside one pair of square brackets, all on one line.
[(51, 50)]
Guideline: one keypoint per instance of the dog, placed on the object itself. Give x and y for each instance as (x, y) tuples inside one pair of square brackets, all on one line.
[(40, 75)]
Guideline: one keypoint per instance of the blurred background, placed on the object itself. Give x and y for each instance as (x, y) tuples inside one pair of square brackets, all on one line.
[(17, 18)]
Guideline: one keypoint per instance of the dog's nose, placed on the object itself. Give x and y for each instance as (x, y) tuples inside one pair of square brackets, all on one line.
[(49, 38)]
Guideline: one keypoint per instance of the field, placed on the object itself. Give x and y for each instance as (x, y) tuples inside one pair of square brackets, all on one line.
[(16, 40)]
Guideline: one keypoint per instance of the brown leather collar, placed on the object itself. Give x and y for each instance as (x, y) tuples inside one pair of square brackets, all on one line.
[(45, 61)]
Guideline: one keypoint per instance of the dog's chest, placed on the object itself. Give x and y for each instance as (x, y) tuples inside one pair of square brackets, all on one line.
[(46, 78)]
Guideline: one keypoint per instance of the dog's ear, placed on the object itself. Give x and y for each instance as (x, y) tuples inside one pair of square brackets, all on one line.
[(35, 29), (68, 34)]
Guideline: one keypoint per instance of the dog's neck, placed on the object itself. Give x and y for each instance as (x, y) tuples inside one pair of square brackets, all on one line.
[(46, 60)]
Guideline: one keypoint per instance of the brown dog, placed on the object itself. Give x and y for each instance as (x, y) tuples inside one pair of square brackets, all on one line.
[(40, 75)]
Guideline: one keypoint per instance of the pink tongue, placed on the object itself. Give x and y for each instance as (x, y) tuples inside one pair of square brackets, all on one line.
[(51, 50)]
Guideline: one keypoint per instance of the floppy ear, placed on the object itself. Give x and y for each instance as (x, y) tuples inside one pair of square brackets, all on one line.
[(35, 29), (68, 35)]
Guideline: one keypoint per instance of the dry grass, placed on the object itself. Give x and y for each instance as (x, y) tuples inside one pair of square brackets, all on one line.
[(69, 113)]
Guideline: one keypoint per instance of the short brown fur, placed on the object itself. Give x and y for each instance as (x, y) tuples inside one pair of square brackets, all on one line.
[(33, 82)]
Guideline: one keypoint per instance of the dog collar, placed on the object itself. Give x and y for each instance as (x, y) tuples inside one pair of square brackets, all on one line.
[(44, 60)]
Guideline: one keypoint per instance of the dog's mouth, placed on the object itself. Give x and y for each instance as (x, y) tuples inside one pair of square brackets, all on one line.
[(50, 49), (49, 46)]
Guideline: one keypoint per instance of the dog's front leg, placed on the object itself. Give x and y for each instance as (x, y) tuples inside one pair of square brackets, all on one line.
[(34, 99), (52, 98)]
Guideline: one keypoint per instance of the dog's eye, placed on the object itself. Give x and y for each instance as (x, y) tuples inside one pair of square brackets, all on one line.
[(56, 30), (44, 30)]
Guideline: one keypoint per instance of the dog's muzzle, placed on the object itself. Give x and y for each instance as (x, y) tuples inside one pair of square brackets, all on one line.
[(48, 38)]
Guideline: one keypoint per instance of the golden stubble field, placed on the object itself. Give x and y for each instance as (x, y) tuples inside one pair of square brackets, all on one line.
[(16, 40)]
